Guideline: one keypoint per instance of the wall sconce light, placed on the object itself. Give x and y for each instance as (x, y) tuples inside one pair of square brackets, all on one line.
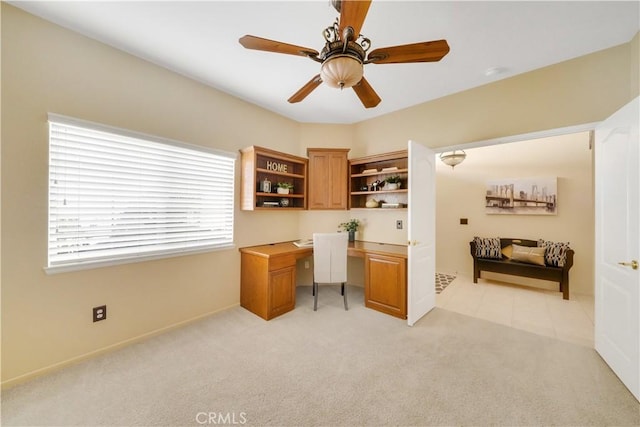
[(453, 158)]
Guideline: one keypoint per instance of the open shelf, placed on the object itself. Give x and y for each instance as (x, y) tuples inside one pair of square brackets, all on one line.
[(262, 164), (366, 172)]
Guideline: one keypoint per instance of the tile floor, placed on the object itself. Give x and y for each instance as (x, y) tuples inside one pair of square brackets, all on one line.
[(535, 310)]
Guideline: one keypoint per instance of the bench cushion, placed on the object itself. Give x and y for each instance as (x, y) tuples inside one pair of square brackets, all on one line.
[(488, 247), (555, 253), (506, 251), (527, 254)]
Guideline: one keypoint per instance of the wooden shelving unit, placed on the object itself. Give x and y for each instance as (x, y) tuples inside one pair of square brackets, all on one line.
[(365, 171), (260, 164)]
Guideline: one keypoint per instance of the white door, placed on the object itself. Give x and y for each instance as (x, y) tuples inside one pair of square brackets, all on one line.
[(617, 191), (421, 275)]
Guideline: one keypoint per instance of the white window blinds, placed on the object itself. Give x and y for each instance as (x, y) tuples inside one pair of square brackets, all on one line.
[(116, 195)]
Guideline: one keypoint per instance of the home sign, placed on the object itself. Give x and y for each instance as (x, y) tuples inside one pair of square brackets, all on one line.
[(277, 167)]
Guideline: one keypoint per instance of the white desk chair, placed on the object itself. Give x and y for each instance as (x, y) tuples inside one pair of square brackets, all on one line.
[(329, 262)]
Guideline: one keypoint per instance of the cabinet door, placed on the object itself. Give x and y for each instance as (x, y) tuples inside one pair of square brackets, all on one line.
[(385, 287), (282, 291), (328, 179)]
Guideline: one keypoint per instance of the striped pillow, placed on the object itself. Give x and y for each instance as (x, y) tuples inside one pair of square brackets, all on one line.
[(555, 253), (488, 247)]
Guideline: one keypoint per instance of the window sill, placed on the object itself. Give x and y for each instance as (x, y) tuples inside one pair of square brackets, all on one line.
[(87, 265)]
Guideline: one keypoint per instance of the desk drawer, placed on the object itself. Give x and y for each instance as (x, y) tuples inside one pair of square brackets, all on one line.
[(282, 261)]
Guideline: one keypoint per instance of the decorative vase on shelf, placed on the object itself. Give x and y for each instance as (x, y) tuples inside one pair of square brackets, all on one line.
[(283, 190), (372, 203), (352, 235), (393, 185)]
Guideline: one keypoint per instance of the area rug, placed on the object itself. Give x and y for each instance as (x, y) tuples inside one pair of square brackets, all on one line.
[(442, 281)]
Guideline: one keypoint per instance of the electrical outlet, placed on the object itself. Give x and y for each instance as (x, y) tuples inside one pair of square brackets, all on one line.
[(399, 224), (306, 264), (99, 313)]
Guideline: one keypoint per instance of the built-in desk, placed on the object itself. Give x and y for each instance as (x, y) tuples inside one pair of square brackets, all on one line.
[(268, 277)]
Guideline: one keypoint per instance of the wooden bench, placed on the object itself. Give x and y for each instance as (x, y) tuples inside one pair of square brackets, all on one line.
[(516, 268)]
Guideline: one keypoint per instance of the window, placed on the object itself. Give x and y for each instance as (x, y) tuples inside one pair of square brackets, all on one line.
[(117, 196)]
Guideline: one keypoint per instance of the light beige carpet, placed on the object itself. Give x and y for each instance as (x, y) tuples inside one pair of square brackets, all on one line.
[(332, 367)]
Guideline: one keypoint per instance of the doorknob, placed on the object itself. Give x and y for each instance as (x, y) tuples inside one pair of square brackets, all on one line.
[(633, 264)]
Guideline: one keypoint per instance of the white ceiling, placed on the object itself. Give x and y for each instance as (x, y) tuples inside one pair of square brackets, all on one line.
[(200, 40)]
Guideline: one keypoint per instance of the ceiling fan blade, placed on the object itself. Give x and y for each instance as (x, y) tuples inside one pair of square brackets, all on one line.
[(352, 14), (305, 90), (367, 95), (258, 43), (432, 51)]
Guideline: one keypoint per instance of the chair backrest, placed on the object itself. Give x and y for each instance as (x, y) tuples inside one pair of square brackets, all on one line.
[(330, 257)]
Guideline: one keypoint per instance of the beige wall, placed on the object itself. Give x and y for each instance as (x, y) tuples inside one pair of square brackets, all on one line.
[(583, 90), (46, 319), (634, 66), (461, 191)]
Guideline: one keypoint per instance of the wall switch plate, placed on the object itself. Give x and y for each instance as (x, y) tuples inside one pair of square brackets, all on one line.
[(306, 264), (99, 313), (399, 224)]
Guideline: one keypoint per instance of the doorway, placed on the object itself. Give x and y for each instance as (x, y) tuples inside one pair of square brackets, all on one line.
[(528, 304)]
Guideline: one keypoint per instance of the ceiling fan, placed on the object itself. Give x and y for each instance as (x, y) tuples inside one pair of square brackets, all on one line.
[(345, 53)]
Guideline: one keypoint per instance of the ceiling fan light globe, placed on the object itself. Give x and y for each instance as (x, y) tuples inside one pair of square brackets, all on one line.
[(341, 71)]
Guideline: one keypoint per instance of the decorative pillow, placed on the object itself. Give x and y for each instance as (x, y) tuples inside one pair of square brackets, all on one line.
[(555, 253), (507, 250), (488, 247), (528, 254)]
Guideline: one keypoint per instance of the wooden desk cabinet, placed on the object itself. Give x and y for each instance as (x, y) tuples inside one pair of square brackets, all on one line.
[(268, 277)]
